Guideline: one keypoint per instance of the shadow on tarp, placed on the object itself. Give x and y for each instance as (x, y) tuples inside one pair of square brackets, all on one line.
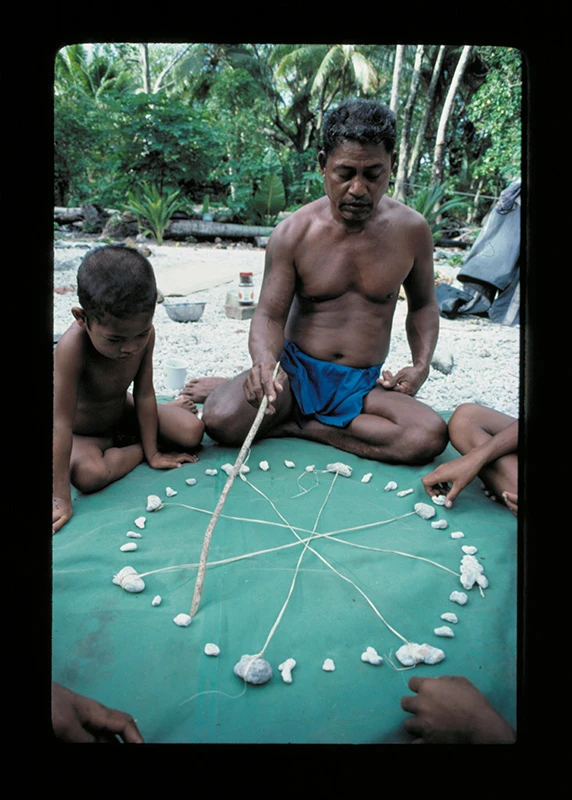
[(118, 648)]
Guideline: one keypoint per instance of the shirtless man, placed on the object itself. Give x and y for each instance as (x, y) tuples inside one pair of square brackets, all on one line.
[(332, 277)]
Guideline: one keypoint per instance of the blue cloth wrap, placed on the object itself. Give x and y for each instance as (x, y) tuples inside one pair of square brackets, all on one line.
[(329, 392)]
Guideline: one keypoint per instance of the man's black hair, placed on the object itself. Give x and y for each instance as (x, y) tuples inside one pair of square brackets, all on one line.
[(359, 120), (116, 280)]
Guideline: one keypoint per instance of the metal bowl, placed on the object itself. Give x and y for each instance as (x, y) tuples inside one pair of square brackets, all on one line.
[(185, 312)]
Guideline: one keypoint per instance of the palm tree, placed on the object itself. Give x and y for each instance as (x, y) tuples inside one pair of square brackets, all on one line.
[(439, 156), (312, 77), (416, 153), (400, 191), (92, 71)]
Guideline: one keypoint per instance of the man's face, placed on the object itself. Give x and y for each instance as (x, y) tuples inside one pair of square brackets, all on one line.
[(356, 176), (119, 339)]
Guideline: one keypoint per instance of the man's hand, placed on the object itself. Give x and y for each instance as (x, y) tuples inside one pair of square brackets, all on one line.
[(408, 380), (450, 710), (170, 460), (459, 472), (61, 512), (259, 383), (76, 718)]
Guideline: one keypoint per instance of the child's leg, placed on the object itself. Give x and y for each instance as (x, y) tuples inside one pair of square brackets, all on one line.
[(95, 462), (472, 425), (179, 428)]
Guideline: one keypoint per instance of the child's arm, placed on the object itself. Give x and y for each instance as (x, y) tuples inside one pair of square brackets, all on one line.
[(68, 364), (461, 471), (146, 410)]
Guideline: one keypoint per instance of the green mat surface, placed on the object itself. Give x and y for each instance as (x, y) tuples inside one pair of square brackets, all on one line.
[(116, 647)]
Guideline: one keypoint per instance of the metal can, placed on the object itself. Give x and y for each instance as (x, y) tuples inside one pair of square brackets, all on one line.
[(245, 289)]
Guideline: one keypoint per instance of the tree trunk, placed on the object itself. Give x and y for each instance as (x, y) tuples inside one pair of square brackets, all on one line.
[(416, 154), (401, 189), (399, 49), (146, 69), (182, 228), (439, 156)]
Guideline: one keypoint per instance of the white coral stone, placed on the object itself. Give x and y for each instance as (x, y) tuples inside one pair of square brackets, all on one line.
[(129, 546), (371, 656), (411, 654), (153, 503), (458, 597), (170, 492), (405, 492), (140, 522), (290, 464), (448, 616), (190, 481), (367, 477), (439, 499), (133, 535), (472, 572), (129, 580), (469, 549), (423, 510), (182, 620), (444, 630), (157, 600), (264, 465), (211, 472), (212, 649), (457, 535), (328, 665), (390, 486), (440, 524), (286, 669), (340, 468)]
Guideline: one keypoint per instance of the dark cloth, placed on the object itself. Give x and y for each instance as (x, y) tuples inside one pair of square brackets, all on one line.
[(491, 273)]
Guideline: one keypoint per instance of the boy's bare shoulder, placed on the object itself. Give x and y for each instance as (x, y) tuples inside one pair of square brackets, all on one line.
[(71, 347)]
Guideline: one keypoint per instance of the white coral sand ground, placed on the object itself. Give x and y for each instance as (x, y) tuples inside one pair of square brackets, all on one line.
[(484, 355)]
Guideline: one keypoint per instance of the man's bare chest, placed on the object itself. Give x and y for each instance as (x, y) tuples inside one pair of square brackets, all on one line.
[(374, 271)]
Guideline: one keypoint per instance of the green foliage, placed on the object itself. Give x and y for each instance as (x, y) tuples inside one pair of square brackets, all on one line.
[(495, 110), (152, 209), (428, 203), (214, 112), (270, 197)]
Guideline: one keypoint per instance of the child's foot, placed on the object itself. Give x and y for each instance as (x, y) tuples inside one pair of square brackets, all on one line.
[(184, 401), (198, 389), (488, 493)]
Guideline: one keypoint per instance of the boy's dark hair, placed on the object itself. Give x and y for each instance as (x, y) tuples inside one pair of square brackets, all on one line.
[(116, 280), (359, 120)]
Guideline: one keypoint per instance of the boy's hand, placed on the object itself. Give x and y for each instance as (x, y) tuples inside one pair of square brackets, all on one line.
[(61, 512), (451, 710), (452, 477), (170, 460), (76, 718)]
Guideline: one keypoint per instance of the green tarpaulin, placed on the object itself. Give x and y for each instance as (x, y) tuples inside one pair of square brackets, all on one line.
[(118, 648)]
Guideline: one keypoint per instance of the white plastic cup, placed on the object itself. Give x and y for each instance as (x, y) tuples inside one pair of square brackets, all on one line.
[(175, 373)]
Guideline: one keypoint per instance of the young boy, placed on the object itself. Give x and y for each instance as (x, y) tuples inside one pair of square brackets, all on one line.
[(101, 431)]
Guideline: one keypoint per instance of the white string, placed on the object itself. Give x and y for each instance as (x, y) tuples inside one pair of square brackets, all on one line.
[(328, 564), (283, 609)]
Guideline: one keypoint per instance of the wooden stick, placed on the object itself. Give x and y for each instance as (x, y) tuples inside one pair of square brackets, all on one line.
[(221, 501)]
